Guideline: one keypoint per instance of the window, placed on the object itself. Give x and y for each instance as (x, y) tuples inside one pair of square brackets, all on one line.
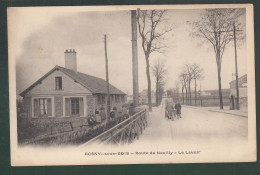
[(101, 99), (74, 106), (123, 98), (43, 106), (58, 83), (117, 98)]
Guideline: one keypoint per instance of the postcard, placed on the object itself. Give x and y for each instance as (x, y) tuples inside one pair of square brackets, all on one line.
[(131, 84)]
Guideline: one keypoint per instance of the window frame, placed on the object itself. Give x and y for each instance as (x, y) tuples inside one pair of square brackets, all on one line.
[(43, 106), (58, 83), (85, 107), (75, 107), (101, 99), (43, 97)]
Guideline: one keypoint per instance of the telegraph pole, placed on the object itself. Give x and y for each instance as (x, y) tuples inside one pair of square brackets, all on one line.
[(237, 89), (134, 59), (107, 79)]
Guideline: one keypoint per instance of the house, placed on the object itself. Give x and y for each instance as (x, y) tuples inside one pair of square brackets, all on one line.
[(143, 97), (242, 87), (65, 92)]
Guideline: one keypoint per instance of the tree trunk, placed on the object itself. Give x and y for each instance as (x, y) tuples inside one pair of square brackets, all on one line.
[(182, 95), (189, 94), (148, 82), (195, 92), (219, 90), (219, 79), (186, 95), (157, 92)]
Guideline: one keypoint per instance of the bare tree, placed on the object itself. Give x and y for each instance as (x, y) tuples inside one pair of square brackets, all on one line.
[(152, 35), (215, 26), (161, 91), (188, 71), (159, 70), (183, 79), (197, 73)]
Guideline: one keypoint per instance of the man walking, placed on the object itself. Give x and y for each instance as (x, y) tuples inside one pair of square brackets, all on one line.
[(178, 109)]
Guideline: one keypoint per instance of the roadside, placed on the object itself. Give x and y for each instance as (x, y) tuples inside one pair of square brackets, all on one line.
[(226, 110)]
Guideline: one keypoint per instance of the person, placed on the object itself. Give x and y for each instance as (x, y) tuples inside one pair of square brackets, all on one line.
[(97, 117), (170, 111), (102, 114), (125, 112), (112, 116), (91, 120), (178, 109)]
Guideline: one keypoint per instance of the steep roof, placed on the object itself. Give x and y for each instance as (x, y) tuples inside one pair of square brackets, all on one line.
[(94, 84)]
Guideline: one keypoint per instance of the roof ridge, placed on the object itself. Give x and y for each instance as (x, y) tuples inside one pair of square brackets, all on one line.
[(82, 73)]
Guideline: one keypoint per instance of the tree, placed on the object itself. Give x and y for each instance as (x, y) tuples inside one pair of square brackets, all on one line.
[(183, 79), (215, 26), (159, 70), (197, 73), (188, 71), (161, 92), (152, 36)]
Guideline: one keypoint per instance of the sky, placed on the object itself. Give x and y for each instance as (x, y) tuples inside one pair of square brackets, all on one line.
[(38, 38)]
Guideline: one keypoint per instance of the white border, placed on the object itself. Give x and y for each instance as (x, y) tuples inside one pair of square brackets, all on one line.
[(69, 156)]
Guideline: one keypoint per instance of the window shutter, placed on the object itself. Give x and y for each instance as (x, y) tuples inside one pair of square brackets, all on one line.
[(49, 107), (81, 107), (36, 111), (67, 107)]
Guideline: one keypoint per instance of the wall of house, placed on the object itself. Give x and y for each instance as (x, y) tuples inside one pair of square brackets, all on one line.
[(91, 104), (56, 124), (27, 107), (241, 82), (47, 86), (113, 103), (243, 102), (58, 104)]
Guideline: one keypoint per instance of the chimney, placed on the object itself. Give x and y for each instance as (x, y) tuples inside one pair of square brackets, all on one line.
[(71, 59)]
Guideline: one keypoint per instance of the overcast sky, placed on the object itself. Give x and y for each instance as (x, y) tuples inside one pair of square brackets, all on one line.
[(41, 35)]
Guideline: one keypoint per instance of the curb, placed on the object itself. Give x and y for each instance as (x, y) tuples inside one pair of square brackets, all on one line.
[(239, 115), (211, 110)]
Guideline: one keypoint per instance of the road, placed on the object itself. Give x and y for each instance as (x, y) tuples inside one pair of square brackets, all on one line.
[(196, 126)]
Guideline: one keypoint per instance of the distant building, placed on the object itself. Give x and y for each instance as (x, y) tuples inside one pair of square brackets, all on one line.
[(65, 92), (143, 97), (242, 87)]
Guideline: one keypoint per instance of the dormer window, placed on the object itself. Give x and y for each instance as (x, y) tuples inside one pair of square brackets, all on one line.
[(58, 83)]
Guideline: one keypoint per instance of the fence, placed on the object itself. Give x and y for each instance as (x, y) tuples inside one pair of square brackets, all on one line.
[(206, 101), (124, 132)]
